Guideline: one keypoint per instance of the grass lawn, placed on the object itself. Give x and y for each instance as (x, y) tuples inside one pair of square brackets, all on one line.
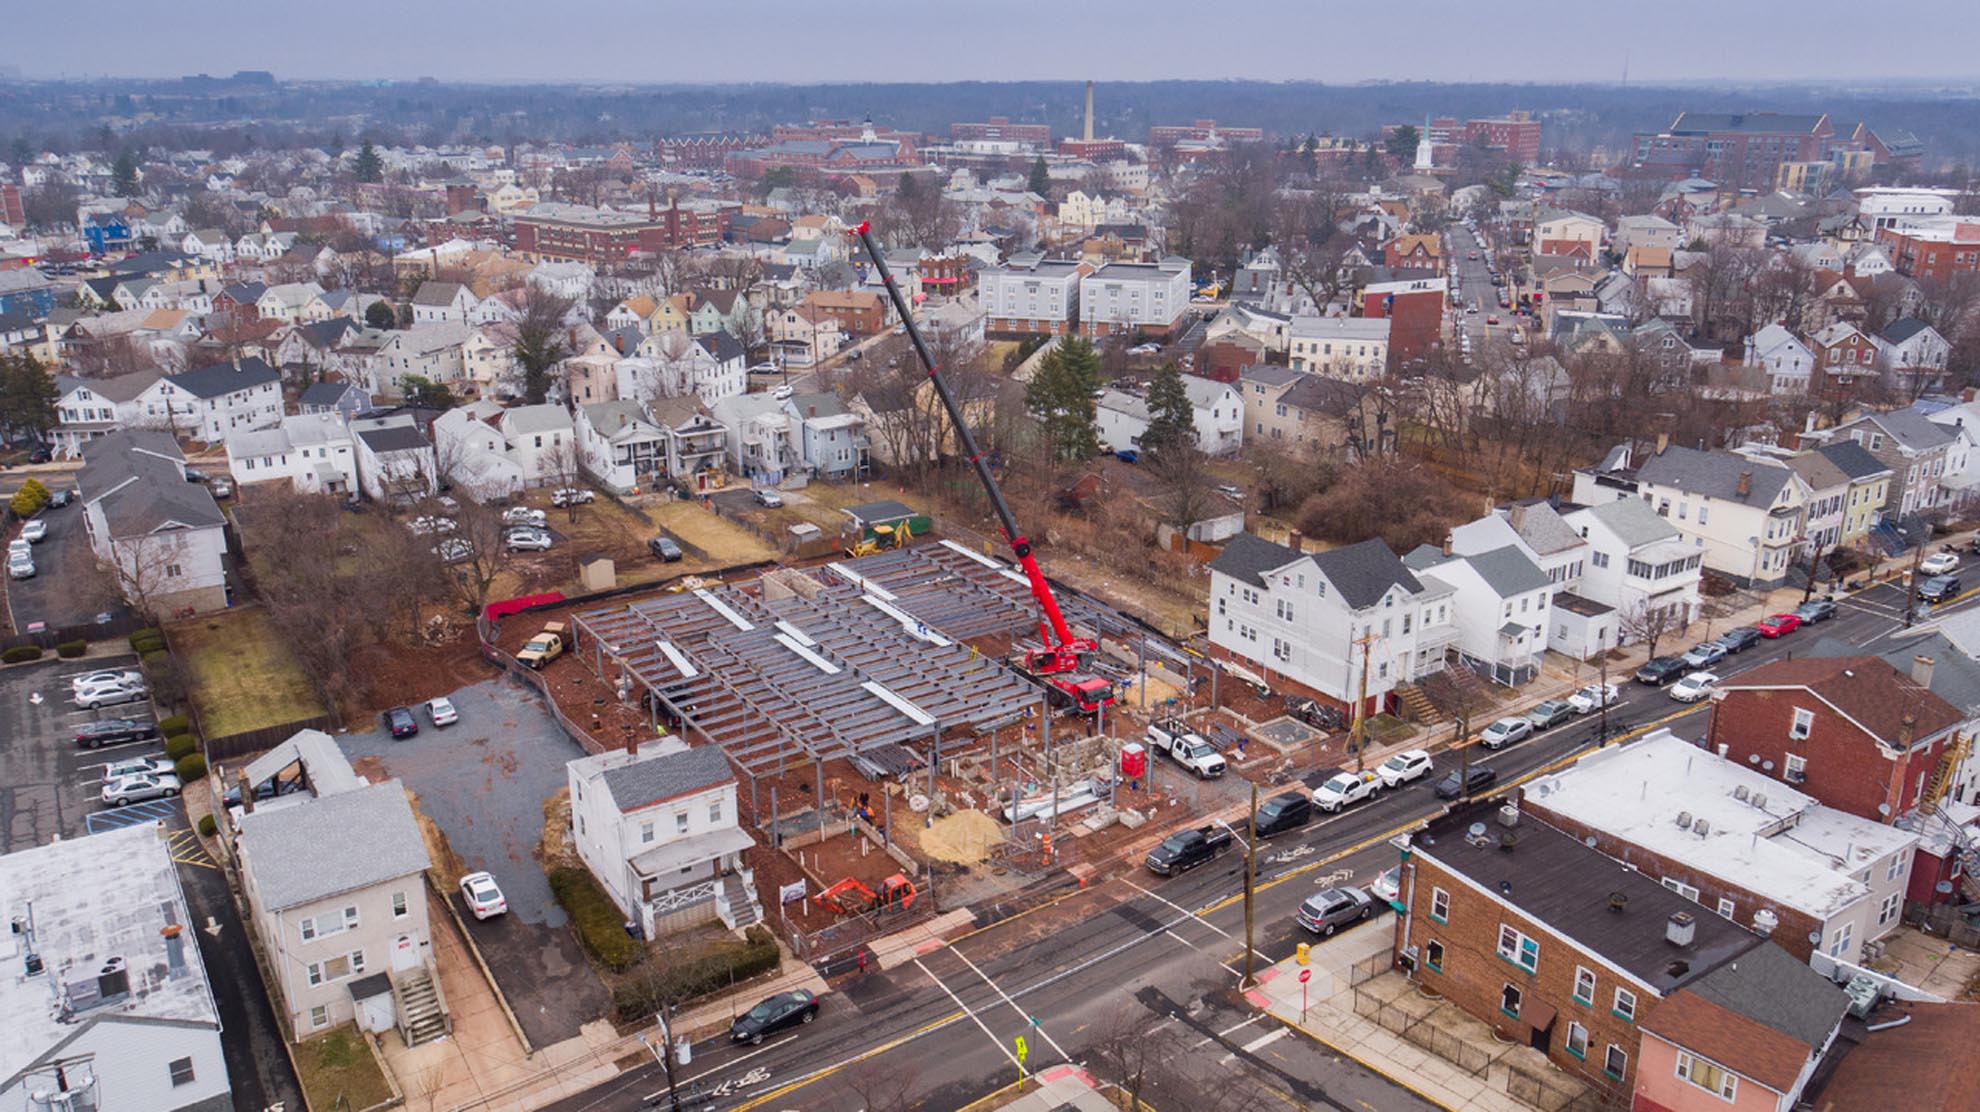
[(240, 673), (338, 1064), (725, 542)]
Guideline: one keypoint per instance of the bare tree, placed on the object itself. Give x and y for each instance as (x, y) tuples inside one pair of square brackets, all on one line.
[(883, 1086), (561, 464), (1126, 1054), (149, 569), (474, 553), (1648, 624), (1185, 489)]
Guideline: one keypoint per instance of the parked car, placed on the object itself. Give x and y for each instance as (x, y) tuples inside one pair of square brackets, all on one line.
[(570, 496), (453, 550), (1231, 492), (1939, 588), (1284, 812), (195, 475), (136, 766), (780, 1012), (483, 896), (1694, 687), (1660, 671), (221, 488), (1455, 785), (1939, 563), (109, 694), (40, 455), (1593, 698), (60, 498), (1174, 738), (1345, 788), (441, 711), (1779, 625), (114, 731), (1741, 639), (1705, 655), (1186, 849), (1815, 610), (527, 540), (783, 393), (1549, 714), (1330, 909), (35, 531), (20, 566), (525, 515), (1504, 732), (1387, 887), (766, 497), (427, 526), (1410, 764), (664, 549), (114, 675), (401, 722), (137, 789)]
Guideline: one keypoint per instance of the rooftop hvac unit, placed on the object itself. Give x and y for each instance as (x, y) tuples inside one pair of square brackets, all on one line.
[(1684, 820), (1764, 922), (1701, 828), (1760, 801), (1741, 793)]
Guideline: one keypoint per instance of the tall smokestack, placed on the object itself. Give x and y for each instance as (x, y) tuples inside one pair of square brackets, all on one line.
[(1089, 111)]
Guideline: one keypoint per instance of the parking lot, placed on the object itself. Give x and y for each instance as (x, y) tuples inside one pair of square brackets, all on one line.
[(50, 788), (483, 781), (65, 590)]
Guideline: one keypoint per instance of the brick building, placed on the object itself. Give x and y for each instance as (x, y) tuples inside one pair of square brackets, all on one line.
[(1202, 131), (703, 150), (1937, 248), (859, 313), (1559, 947), (1851, 731), (551, 232), (11, 213), (1742, 149), (1416, 309), (1000, 129)]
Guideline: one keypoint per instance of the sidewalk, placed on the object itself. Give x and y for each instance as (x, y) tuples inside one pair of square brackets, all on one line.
[(1329, 1019), (1062, 1088)]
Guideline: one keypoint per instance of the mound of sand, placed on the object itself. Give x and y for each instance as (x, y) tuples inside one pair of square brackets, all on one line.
[(963, 838)]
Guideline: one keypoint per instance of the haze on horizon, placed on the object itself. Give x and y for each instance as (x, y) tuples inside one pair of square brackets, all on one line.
[(794, 41)]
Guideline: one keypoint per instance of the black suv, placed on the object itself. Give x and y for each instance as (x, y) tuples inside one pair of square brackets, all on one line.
[(1939, 588), (1480, 778), (1662, 670), (114, 731), (1284, 812), (664, 549), (1741, 639)]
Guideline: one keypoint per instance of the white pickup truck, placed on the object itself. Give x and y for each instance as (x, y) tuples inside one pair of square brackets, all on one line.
[(1186, 747)]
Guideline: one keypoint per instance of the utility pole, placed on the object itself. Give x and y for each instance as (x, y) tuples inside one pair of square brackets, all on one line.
[(1250, 880), (1814, 569), (1359, 732), (1462, 743), (1911, 584)]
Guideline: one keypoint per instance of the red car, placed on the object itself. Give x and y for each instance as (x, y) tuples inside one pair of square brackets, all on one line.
[(1778, 625)]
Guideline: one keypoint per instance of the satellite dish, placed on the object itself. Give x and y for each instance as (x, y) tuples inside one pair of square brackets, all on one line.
[(1883, 808)]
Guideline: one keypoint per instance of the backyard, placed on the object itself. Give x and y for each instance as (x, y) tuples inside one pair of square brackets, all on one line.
[(338, 1071), (239, 673)]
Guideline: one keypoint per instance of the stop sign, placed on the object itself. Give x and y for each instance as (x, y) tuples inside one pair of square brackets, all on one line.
[(1305, 975)]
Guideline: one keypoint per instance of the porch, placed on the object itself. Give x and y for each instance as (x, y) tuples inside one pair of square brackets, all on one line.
[(691, 880)]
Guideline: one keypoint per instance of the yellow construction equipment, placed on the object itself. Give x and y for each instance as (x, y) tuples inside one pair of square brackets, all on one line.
[(884, 537)]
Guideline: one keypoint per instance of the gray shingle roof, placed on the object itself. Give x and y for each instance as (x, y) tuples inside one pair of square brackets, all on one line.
[(1508, 571), (393, 438), (1716, 474), (1911, 428), (220, 379), (1955, 676), (1767, 985), (1249, 557), (659, 779), (1364, 572), (1543, 530), (332, 845), (325, 393), (1633, 521), (1904, 328), (1851, 458)]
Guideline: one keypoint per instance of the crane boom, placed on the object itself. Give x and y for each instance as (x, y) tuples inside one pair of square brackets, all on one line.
[(1063, 652)]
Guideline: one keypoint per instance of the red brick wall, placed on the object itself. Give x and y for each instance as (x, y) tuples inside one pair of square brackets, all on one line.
[(1473, 975), (1845, 769)]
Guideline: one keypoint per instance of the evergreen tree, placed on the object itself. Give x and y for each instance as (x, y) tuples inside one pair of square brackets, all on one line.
[(124, 174), (369, 166), (380, 316), (1401, 142), (1041, 178), (27, 396), (1060, 396), (1171, 419)]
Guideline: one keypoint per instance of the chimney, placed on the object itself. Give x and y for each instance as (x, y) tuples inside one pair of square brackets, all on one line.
[(1447, 543), (1746, 484), (1680, 928), (1663, 442), (247, 794), (1921, 670), (1089, 112), (811, 411), (1905, 730), (1295, 542), (632, 745)]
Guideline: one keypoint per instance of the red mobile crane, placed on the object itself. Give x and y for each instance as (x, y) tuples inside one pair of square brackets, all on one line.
[(1059, 661)]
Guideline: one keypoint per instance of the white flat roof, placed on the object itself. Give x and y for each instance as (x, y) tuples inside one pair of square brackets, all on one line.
[(1791, 849)]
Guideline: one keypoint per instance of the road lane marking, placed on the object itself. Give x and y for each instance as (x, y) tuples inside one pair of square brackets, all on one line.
[(974, 1018), (1014, 1006), (730, 1064), (1176, 907)]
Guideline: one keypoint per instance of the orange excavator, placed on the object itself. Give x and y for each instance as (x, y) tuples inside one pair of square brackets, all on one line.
[(850, 897)]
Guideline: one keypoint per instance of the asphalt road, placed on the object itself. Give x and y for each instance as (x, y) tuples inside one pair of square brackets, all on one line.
[(1478, 289), (1144, 954), (65, 591)]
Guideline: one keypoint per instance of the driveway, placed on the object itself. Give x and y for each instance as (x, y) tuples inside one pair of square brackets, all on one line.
[(65, 590), (484, 781)]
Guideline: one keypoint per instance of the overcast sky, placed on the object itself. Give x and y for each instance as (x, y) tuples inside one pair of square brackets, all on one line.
[(944, 40)]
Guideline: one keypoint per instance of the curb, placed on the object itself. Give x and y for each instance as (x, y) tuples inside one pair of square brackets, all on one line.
[(1370, 1067)]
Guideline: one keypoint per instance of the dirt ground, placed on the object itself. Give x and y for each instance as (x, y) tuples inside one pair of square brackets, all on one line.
[(846, 855), (725, 543), (388, 674)]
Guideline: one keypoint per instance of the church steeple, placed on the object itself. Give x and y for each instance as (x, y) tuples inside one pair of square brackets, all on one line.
[(1423, 162)]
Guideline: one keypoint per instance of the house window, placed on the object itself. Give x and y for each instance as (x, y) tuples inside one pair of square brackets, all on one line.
[(1625, 1004), (1433, 955), (681, 823), (1894, 868), (1517, 948), (181, 1070), (1705, 1075), (1440, 905), (715, 812), (399, 906), (1509, 1001), (173, 571), (1795, 770), (1804, 723), (1584, 985), (645, 832), (1600, 559), (1616, 1062), (1681, 888), (1844, 937), (1889, 910), (319, 1016), (1727, 908)]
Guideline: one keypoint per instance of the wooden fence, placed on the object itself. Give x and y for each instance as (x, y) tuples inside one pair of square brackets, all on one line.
[(47, 639), (233, 746)]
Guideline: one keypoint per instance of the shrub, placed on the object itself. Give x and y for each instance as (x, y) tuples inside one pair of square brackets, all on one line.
[(69, 650), (178, 745), (177, 724), (148, 633), (29, 499), (19, 653), (190, 767), (599, 924), (147, 645), (154, 660), (207, 827), (712, 969)]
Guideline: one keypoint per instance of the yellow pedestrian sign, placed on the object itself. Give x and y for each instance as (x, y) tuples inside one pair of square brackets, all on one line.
[(1021, 1051)]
